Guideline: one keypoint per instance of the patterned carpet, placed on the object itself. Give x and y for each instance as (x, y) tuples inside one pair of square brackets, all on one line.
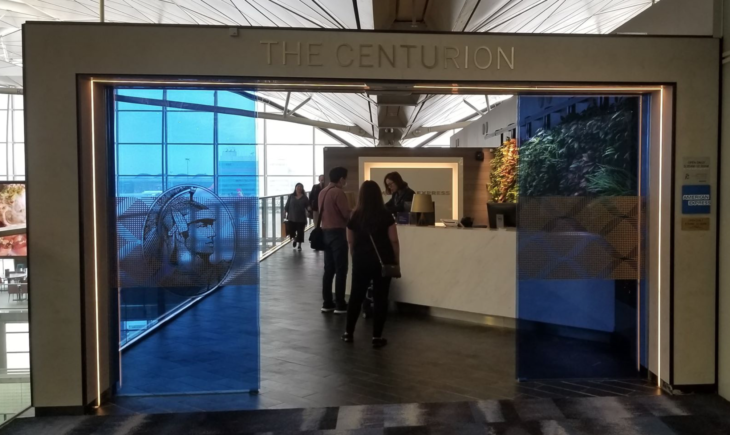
[(646, 415)]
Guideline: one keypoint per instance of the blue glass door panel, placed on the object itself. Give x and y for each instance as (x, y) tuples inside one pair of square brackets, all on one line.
[(580, 231)]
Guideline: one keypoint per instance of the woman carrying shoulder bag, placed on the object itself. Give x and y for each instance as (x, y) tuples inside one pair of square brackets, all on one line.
[(373, 240), (296, 212)]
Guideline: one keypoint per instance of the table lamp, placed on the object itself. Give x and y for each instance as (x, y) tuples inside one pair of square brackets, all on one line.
[(422, 204)]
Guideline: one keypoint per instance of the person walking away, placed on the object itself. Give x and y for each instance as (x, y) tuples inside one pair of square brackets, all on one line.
[(402, 195), (296, 212), (314, 199), (372, 237), (335, 212)]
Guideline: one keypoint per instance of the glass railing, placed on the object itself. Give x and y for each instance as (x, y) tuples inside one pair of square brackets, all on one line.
[(143, 309), (271, 223)]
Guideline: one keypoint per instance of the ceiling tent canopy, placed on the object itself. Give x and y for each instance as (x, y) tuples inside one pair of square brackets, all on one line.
[(388, 119)]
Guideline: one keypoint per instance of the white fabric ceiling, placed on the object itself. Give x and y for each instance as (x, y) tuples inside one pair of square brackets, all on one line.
[(523, 16)]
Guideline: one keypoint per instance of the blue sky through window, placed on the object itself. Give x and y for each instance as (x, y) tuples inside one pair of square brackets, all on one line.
[(157, 148)]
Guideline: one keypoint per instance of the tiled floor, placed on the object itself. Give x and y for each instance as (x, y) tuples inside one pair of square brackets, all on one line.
[(9, 302), (645, 415)]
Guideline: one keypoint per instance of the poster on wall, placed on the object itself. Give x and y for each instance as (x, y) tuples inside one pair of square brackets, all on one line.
[(13, 237)]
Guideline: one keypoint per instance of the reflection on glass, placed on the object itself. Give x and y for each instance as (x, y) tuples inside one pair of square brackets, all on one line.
[(236, 129), (139, 127), (579, 230), (139, 186), (238, 160), (190, 127), (139, 159), (190, 159)]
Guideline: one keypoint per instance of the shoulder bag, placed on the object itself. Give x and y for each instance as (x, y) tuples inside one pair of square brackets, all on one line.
[(316, 237), (386, 270)]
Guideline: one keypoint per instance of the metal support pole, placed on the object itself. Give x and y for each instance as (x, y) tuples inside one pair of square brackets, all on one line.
[(291, 112), (264, 228), (277, 225), (101, 11)]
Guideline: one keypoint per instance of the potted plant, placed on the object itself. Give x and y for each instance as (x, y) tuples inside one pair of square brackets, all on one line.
[(503, 187)]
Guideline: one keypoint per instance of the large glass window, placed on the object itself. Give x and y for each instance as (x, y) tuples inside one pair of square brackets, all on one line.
[(160, 147), (12, 138), (15, 393)]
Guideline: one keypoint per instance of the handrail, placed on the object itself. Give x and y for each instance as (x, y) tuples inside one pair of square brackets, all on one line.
[(283, 194)]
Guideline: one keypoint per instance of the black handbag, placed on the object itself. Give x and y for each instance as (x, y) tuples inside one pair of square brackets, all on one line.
[(316, 237), (386, 270)]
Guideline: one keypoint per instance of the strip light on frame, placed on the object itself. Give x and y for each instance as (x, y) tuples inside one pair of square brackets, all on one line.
[(659, 239), (365, 87), (96, 248)]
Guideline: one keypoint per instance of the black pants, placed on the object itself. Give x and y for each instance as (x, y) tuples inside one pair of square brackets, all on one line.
[(361, 277), (335, 266), (297, 231)]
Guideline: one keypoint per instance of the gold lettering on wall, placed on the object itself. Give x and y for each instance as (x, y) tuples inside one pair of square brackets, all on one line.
[(389, 55), (510, 61), (408, 53), (313, 49), (339, 59), (297, 53), (476, 57), (452, 58), (382, 53), (435, 57), (268, 50), (365, 55)]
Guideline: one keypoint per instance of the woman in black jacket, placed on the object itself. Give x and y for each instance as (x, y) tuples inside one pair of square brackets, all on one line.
[(371, 232), (296, 212), (402, 195)]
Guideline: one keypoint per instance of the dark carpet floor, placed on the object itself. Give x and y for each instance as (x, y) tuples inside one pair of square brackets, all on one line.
[(646, 415)]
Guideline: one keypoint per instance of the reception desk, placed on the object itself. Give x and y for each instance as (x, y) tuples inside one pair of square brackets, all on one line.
[(470, 274), (462, 273)]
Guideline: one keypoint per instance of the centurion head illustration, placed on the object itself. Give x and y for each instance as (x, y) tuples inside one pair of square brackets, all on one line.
[(189, 240)]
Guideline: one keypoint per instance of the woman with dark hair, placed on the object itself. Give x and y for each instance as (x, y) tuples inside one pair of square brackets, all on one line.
[(402, 195), (373, 238), (296, 212)]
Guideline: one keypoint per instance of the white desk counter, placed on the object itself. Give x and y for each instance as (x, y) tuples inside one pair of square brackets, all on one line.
[(471, 270)]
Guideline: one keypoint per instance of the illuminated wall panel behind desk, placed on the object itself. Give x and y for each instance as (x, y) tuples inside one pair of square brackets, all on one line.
[(475, 174)]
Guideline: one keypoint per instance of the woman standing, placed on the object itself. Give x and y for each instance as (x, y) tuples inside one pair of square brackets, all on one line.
[(372, 236), (296, 212), (402, 194)]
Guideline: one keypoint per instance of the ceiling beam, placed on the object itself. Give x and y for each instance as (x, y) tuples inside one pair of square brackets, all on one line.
[(464, 17), (299, 106), (254, 97), (354, 129)]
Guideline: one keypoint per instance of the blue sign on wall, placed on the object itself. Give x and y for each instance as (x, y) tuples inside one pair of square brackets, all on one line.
[(696, 199)]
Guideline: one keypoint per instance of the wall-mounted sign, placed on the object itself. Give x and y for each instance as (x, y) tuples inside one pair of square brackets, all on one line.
[(388, 55), (696, 224), (696, 199), (696, 170)]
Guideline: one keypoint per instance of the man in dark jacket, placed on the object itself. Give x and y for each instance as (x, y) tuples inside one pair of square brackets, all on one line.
[(314, 198)]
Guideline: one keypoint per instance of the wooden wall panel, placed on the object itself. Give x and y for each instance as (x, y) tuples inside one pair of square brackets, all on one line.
[(476, 174)]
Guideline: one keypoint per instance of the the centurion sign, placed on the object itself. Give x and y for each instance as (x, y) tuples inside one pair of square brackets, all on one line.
[(389, 55)]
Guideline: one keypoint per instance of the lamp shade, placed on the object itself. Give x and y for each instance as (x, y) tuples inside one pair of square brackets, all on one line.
[(422, 204)]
